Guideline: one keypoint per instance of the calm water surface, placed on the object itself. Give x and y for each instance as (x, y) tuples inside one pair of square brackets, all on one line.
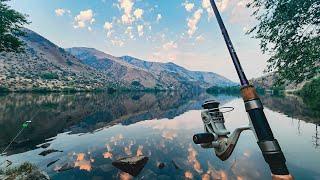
[(91, 130)]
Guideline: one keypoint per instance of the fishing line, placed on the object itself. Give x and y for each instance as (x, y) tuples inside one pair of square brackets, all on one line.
[(24, 125)]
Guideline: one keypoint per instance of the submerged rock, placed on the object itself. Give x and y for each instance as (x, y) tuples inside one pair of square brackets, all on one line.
[(131, 165), (175, 164), (52, 162), (161, 165), (65, 167), (45, 145), (49, 151)]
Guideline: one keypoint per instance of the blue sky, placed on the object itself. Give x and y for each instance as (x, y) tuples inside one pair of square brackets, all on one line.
[(183, 32)]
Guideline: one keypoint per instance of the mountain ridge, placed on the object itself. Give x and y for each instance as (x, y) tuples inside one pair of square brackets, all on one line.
[(162, 73), (208, 77), (47, 67)]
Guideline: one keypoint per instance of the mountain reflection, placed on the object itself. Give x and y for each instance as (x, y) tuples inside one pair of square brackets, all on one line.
[(84, 112), (292, 106)]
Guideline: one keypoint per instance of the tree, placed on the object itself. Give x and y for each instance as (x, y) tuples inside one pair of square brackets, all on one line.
[(11, 23), (289, 30)]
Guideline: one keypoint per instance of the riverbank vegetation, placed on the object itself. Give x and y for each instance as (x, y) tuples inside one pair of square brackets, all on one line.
[(310, 93), (24, 171), (289, 31), (235, 90)]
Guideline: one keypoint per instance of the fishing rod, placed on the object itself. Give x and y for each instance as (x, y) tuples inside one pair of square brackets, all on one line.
[(216, 135)]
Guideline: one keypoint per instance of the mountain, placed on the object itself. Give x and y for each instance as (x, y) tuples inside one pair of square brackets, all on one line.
[(268, 81), (45, 66), (120, 70), (148, 74), (204, 79)]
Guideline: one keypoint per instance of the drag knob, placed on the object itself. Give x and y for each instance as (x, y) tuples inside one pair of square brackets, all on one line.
[(203, 138)]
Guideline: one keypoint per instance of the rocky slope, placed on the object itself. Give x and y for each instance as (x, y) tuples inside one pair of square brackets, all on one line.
[(46, 66), (203, 79), (268, 81), (120, 70), (148, 74)]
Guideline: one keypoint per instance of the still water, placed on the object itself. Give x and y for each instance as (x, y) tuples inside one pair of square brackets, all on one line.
[(88, 131)]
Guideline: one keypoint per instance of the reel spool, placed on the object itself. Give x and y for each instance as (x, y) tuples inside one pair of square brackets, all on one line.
[(215, 133)]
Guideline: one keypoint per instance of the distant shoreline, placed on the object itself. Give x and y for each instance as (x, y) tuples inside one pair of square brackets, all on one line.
[(107, 90)]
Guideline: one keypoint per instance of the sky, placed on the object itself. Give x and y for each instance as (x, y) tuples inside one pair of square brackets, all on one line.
[(178, 31)]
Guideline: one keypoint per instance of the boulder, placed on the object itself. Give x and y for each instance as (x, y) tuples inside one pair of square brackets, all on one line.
[(131, 165)]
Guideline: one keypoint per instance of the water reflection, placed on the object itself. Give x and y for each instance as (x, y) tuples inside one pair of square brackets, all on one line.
[(292, 106), (84, 112), (85, 133)]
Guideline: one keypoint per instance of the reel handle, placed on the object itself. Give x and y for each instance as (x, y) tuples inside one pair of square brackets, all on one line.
[(203, 138)]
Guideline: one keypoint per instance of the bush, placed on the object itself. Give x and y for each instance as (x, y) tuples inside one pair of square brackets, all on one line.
[(4, 89), (136, 83), (310, 93), (49, 76)]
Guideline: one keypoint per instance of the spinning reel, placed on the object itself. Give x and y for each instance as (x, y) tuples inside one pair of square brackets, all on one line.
[(216, 135)]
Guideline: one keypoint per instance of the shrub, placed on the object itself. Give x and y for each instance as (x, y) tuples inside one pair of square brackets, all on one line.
[(310, 93), (49, 75), (136, 83)]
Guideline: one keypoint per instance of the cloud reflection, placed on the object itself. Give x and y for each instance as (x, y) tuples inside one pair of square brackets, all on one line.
[(82, 163), (192, 159)]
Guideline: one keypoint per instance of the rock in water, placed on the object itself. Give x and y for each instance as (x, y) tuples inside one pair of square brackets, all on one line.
[(49, 151), (175, 164), (160, 165), (66, 167), (52, 162), (131, 165), (44, 146)]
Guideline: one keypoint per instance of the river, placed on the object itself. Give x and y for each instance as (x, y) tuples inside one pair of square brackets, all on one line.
[(91, 130)]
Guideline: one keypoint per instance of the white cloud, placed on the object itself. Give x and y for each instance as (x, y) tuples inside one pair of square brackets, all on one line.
[(172, 57), (126, 6), (140, 30), (92, 20), (188, 6), (192, 22), (59, 12), (207, 6), (117, 43), (138, 13), (83, 17), (222, 5), (107, 26), (129, 32), (170, 45), (199, 38), (240, 13), (109, 33), (159, 17)]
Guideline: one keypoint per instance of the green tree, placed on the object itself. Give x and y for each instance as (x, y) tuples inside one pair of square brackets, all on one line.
[(11, 23), (289, 30)]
